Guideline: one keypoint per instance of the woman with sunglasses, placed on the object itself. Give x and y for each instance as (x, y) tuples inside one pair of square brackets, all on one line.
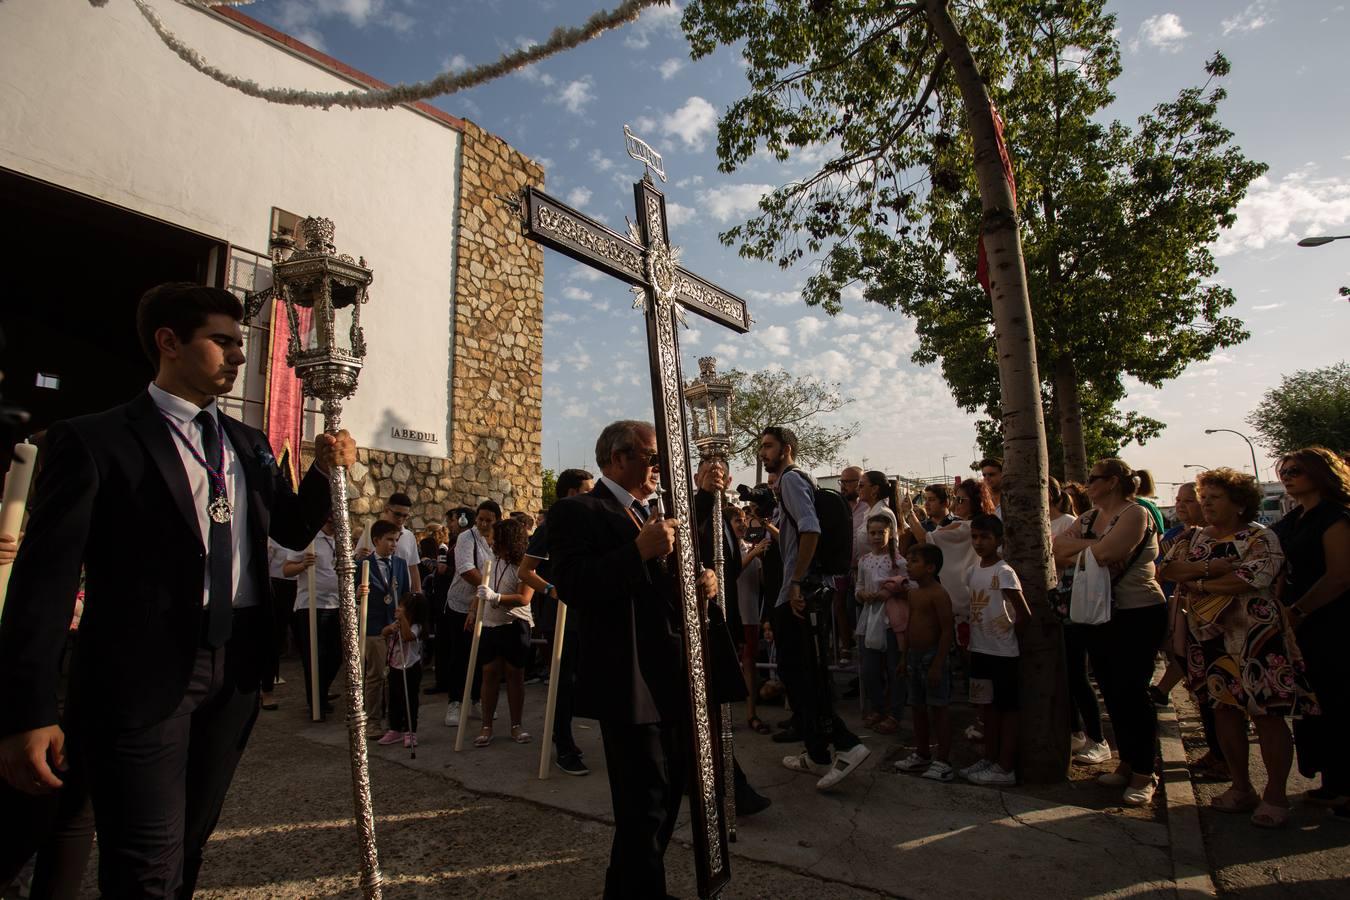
[(1315, 536), (1120, 534)]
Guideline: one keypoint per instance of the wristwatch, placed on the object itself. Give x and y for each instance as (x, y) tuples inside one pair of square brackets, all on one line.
[(548, 589)]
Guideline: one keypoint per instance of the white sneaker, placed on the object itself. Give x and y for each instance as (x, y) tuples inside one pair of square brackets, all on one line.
[(938, 771), (452, 714), (1140, 796), (844, 764), (974, 733), (973, 768), (1077, 741), (803, 763), (913, 763), (1093, 753), (992, 775)]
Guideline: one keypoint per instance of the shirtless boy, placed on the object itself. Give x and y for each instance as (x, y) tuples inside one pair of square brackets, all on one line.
[(927, 663)]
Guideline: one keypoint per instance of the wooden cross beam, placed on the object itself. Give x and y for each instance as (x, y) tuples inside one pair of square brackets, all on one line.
[(645, 260)]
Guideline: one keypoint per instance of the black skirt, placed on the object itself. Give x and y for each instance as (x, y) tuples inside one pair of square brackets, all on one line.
[(510, 642)]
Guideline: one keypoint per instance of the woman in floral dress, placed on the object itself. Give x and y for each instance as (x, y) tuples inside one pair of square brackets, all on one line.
[(1241, 657)]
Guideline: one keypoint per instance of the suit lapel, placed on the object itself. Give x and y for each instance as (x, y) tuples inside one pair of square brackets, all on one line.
[(151, 431)]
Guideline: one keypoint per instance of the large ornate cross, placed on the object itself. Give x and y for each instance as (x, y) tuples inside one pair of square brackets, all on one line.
[(646, 261)]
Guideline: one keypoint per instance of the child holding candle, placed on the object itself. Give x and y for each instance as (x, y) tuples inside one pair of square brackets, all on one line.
[(404, 641), (388, 579), (504, 648)]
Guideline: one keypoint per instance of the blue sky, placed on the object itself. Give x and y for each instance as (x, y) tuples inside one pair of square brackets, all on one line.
[(1287, 102)]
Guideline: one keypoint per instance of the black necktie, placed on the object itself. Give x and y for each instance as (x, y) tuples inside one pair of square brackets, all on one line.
[(643, 513), (220, 550)]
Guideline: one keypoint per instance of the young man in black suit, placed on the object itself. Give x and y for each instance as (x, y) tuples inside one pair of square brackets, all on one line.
[(172, 644), (606, 548)]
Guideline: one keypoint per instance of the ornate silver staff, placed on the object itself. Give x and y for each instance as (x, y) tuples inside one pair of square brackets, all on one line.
[(709, 399), (333, 286)]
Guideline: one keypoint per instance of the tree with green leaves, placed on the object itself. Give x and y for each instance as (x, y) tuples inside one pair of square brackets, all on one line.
[(550, 488), (1116, 222), (1309, 408), (872, 84), (776, 397)]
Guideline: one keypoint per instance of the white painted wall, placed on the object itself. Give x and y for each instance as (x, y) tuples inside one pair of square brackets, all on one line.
[(90, 99)]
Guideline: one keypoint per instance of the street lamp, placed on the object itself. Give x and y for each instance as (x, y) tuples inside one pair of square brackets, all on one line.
[(1255, 471), (709, 399), (1196, 466), (1322, 239), (327, 357)]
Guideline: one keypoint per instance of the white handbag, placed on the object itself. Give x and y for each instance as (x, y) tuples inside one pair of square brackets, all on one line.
[(1090, 602)]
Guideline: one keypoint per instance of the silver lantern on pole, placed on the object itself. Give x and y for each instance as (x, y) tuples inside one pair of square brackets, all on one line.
[(709, 399), (328, 359)]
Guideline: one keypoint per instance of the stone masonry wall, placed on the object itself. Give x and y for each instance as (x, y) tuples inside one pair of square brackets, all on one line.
[(497, 391)]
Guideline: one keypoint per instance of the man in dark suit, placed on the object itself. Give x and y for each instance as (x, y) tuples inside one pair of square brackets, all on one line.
[(606, 547), (167, 504)]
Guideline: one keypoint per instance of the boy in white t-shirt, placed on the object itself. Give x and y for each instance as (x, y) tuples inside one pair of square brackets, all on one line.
[(997, 607)]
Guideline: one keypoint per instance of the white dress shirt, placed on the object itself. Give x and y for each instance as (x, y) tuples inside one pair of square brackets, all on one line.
[(325, 574), (183, 414), (626, 500)]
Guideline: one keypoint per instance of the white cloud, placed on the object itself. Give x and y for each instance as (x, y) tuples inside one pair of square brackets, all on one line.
[(456, 63), (733, 201), (726, 351), (774, 339), (1267, 306), (670, 68), (581, 360), (534, 75), (579, 196), (306, 35), (655, 21), (1256, 15), (601, 162), (1282, 211), (775, 298), (691, 123), (644, 124), (1163, 32), (678, 214), (575, 410), (576, 293), (808, 328), (551, 366), (294, 15), (577, 94)]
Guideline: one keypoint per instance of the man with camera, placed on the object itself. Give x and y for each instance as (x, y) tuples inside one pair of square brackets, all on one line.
[(799, 618)]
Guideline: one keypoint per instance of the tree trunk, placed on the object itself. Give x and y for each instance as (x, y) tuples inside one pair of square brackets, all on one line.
[(1070, 420), (1044, 729)]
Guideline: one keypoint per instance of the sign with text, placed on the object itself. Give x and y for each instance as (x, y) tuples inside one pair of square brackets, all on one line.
[(409, 434)]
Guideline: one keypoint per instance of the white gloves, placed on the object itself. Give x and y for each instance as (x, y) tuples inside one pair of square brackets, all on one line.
[(488, 595)]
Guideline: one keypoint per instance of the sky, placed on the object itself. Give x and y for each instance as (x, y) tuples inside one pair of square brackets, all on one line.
[(1287, 102)]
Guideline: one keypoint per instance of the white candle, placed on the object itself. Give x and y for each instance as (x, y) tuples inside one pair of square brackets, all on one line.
[(313, 642), (17, 482)]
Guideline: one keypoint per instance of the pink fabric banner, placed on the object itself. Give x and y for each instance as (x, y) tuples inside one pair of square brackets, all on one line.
[(284, 411)]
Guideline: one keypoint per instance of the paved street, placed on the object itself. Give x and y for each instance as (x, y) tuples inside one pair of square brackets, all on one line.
[(480, 823)]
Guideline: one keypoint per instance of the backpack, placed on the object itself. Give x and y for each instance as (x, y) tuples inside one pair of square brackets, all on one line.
[(834, 550)]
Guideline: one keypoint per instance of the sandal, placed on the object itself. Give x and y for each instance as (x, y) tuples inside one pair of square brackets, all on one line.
[(1268, 815), (888, 725), (484, 737), (757, 726), (1235, 801), (871, 719), (520, 737)]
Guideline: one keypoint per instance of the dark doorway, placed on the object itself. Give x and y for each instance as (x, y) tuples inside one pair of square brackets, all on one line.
[(77, 267)]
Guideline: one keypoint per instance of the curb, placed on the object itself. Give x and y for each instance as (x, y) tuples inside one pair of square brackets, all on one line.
[(1186, 841)]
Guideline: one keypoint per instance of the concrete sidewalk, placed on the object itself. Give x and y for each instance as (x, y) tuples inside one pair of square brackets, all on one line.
[(878, 830)]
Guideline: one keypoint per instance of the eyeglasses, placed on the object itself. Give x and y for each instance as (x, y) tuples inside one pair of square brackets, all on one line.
[(1291, 472), (650, 458)]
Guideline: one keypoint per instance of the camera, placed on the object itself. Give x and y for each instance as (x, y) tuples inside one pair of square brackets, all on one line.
[(761, 496)]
